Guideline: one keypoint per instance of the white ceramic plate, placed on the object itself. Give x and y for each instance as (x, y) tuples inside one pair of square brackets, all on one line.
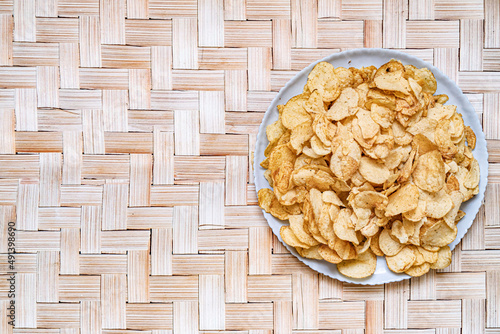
[(359, 58)]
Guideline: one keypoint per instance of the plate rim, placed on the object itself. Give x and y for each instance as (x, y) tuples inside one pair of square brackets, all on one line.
[(440, 78)]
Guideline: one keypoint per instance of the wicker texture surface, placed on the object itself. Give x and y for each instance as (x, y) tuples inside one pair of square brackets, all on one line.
[(127, 129)]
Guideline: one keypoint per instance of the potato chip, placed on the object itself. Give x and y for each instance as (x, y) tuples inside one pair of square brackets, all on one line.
[(309, 253), (440, 112), (393, 81), (429, 173), (300, 135), (297, 226), (418, 213), (325, 223), (388, 245), (472, 179), (444, 258), (324, 129), (470, 136), (390, 67), (370, 200), (383, 116), (417, 271), (401, 136), (403, 200), (294, 113), (426, 127), (407, 169), (332, 197), (329, 254), (343, 227), (423, 144), (318, 147), (373, 171), (344, 165), (437, 233), (371, 228), (438, 203), (274, 131), (430, 257), (425, 79), (344, 249), (399, 232), (315, 103), (323, 79), (402, 261), (363, 266), (443, 140), (346, 105), (457, 127), (289, 238), (369, 128), (457, 198)]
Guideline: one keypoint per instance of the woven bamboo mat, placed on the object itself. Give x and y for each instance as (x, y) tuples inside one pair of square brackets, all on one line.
[(127, 130)]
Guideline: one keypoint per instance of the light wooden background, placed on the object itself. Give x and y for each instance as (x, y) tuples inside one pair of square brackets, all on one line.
[(126, 135)]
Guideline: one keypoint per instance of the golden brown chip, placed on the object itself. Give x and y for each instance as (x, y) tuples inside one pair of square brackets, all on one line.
[(402, 261), (456, 198), (309, 253), (418, 213), (430, 257), (438, 204), (472, 180), (423, 144), (373, 171), (325, 223), (437, 233), (315, 103), (323, 79), (363, 266), (297, 226), (289, 237), (329, 254), (346, 105), (300, 135), (387, 244), (442, 137), (383, 116), (343, 227), (403, 200), (294, 113), (471, 137), (416, 271), (429, 173), (444, 258), (344, 249)]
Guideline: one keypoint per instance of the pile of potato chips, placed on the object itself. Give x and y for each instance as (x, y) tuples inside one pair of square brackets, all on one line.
[(368, 162)]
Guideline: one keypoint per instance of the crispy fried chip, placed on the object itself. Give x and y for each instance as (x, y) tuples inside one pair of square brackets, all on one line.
[(323, 79), (372, 171), (310, 253), (403, 200), (329, 254), (363, 266), (437, 233), (419, 270), (402, 261), (388, 245), (443, 259), (297, 226), (289, 238), (429, 173)]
